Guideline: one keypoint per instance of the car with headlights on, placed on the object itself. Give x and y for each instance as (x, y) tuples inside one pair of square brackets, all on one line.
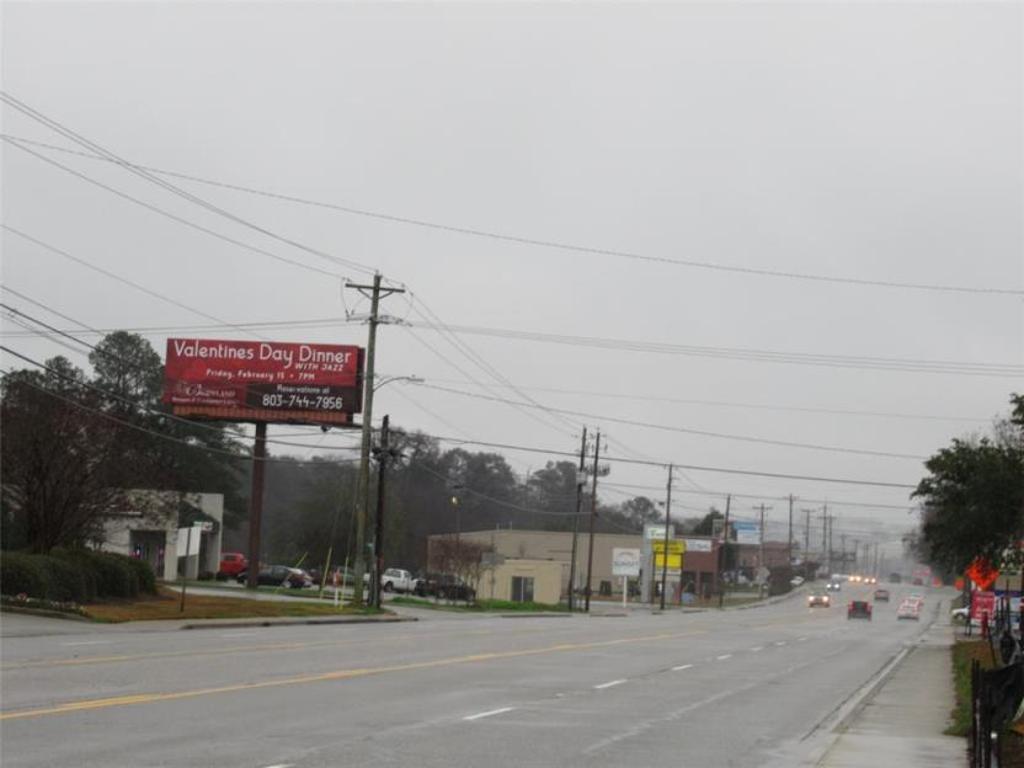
[(819, 600)]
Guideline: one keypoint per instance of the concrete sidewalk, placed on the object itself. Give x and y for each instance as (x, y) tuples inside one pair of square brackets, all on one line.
[(903, 723)]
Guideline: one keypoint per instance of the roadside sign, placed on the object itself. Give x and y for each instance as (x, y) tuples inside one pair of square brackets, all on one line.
[(747, 532), (654, 532), (675, 562), (625, 562), (982, 603), (206, 526), (675, 547)]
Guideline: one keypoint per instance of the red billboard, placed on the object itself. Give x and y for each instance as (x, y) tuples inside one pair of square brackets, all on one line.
[(263, 380)]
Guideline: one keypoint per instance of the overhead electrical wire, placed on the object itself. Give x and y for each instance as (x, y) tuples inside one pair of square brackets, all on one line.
[(556, 244), (912, 365), (77, 138), (690, 431)]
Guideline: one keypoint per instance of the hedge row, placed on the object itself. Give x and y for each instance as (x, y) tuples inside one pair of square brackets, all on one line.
[(74, 575)]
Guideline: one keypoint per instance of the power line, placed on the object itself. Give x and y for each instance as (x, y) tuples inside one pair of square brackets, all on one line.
[(689, 431), (695, 467), (63, 130), (759, 355), (120, 279), (558, 245), (175, 217)]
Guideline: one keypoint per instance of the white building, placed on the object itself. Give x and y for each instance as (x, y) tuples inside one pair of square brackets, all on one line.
[(148, 529)]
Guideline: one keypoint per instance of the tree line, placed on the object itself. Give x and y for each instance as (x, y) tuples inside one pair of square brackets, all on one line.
[(75, 444)]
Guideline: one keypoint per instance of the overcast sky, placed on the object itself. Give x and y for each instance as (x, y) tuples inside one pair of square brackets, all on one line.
[(879, 142)]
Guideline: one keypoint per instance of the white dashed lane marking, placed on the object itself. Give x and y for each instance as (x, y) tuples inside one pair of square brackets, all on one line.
[(602, 686), (724, 656), (488, 713), (681, 667)]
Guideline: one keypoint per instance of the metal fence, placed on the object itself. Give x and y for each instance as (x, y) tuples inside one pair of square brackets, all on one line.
[(995, 698)]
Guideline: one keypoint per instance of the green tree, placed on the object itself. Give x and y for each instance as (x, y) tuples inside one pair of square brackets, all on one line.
[(706, 526), (60, 459), (973, 497)]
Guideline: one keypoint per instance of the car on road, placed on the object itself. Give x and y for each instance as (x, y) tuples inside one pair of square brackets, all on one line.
[(833, 586), (855, 579), (871, 580), (821, 599), (231, 564), (909, 609), (881, 595), (279, 576), (859, 609), (397, 580)]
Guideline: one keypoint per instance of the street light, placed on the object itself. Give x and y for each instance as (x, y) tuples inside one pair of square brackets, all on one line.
[(382, 380)]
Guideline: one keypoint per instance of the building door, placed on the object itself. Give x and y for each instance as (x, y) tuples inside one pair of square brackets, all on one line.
[(522, 589)]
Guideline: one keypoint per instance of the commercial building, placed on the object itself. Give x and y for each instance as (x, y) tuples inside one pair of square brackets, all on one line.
[(776, 555), (521, 581), (147, 527), (700, 564)]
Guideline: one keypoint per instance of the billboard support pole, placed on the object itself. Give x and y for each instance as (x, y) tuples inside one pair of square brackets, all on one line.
[(363, 487), (259, 452)]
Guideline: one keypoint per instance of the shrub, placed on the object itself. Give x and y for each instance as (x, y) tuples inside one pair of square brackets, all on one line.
[(65, 580), (22, 573), (143, 573)]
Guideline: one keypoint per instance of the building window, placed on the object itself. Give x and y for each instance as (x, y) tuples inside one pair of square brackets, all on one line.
[(522, 589)]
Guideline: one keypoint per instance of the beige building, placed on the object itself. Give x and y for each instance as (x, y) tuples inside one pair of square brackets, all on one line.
[(557, 546), (521, 581)]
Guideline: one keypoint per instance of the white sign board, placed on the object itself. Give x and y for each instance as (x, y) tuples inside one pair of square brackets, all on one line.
[(747, 533), (191, 543), (698, 545), (654, 532), (625, 562)]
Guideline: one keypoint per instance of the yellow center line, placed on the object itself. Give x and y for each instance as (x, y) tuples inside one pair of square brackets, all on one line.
[(86, 660), (342, 674)]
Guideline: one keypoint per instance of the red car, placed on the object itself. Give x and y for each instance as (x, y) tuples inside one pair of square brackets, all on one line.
[(859, 609), (232, 564)]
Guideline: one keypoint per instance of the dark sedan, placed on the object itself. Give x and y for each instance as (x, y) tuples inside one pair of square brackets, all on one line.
[(279, 576)]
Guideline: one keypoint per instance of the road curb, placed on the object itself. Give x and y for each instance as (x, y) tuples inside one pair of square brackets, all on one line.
[(298, 622), (835, 724)]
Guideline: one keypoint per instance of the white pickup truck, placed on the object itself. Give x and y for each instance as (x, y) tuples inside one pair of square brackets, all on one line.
[(397, 580)]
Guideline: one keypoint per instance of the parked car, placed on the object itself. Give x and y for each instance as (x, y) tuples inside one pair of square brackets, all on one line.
[(796, 581), (231, 564), (397, 580), (279, 576), (444, 586), (881, 595), (909, 609), (859, 609), (819, 599)]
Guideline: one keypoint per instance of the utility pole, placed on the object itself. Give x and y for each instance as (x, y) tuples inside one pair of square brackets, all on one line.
[(761, 563), (789, 540), (807, 539), (832, 529), (384, 455), (593, 516), (842, 543), (581, 479), (725, 553), (824, 541), (668, 525), (363, 487)]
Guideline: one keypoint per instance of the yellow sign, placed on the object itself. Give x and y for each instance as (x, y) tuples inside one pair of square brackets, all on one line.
[(675, 562), (675, 547)]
